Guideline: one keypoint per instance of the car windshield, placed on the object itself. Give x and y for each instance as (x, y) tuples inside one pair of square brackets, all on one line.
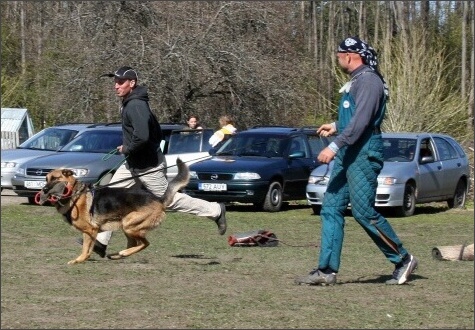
[(255, 145), (50, 139), (95, 141), (399, 149)]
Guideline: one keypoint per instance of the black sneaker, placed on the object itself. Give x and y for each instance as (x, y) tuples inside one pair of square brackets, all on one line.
[(316, 277), (99, 248), (402, 272), (221, 220)]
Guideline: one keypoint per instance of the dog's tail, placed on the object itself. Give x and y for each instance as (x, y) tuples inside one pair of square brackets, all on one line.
[(178, 182)]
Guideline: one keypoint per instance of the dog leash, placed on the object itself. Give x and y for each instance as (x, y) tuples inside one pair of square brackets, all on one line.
[(116, 166), (96, 187), (112, 152)]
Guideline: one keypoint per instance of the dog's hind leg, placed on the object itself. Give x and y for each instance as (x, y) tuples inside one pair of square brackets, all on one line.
[(136, 225), (141, 243), (131, 242)]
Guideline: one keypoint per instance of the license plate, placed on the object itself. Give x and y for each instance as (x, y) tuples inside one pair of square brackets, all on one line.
[(34, 184), (212, 186)]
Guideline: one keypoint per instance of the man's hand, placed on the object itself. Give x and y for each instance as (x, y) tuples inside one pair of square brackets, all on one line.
[(119, 149), (326, 155), (326, 130)]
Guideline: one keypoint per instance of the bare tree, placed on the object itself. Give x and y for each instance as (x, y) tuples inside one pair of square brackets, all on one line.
[(464, 50), (263, 62), (420, 98)]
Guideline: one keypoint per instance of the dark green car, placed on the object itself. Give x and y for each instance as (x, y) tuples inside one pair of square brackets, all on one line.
[(264, 166)]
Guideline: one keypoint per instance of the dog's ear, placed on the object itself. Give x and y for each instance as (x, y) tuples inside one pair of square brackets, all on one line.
[(67, 172)]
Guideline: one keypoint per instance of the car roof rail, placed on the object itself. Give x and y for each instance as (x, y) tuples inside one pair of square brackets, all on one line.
[(103, 124), (270, 126), (74, 123)]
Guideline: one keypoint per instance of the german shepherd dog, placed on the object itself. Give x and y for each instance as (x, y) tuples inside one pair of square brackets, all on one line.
[(134, 210)]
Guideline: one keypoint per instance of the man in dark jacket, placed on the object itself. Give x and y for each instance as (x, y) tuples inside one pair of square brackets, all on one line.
[(146, 164)]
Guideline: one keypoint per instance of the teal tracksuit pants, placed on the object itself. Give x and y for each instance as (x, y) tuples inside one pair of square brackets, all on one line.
[(354, 180)]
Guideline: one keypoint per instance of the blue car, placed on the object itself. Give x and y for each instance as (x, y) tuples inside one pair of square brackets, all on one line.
[(264, 166), (418, 168)]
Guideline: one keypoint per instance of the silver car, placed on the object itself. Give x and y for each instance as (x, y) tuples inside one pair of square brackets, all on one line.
[(91, 155), (45, 142), (418, 168)]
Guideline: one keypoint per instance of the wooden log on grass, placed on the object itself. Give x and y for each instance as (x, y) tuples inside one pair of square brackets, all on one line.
[(453, 252)]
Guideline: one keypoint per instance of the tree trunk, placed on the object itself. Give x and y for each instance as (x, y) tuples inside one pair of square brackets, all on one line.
[(472, 72), (376, 24), (464, 50), (362, 20), (22, 38)]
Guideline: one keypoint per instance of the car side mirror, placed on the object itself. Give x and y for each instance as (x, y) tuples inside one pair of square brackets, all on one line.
[(76, 147), (427, 159), (212, 151)]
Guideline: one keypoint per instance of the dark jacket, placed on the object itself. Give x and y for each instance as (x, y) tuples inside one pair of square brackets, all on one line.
[(140, 129)]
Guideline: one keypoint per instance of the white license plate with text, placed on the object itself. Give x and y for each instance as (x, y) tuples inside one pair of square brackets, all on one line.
[(212, 186), (34, 184)]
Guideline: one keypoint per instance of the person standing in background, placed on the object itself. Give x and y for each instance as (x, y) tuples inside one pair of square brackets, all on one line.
[(227, 129), (193, 122)]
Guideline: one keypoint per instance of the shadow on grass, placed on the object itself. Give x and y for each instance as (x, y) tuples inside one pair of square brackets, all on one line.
[(420, 209), (381, 279), (286, 206)]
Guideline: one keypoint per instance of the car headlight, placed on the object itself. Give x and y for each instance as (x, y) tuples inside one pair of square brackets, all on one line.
[(193, 175), (246, 176), (318, 180), (79, 172), (388, 181), (20, 171), (8, 164)]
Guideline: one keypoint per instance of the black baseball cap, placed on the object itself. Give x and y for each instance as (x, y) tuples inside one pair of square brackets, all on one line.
[(125, 72)]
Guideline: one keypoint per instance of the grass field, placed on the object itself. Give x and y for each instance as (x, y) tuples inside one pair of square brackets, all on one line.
[(189, 277)]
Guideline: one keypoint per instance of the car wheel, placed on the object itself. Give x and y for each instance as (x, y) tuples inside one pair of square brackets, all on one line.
[(409, 202), (316, 209), (273, 199), (460, 195), (31, 200)]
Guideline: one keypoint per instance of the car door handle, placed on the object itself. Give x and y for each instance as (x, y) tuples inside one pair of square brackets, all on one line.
[(459, 165)]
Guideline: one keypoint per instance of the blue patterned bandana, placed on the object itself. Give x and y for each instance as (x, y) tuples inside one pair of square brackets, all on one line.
[(367, 53)]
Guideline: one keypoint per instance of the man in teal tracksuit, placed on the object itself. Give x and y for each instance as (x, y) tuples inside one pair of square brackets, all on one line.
[(358, 154)]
